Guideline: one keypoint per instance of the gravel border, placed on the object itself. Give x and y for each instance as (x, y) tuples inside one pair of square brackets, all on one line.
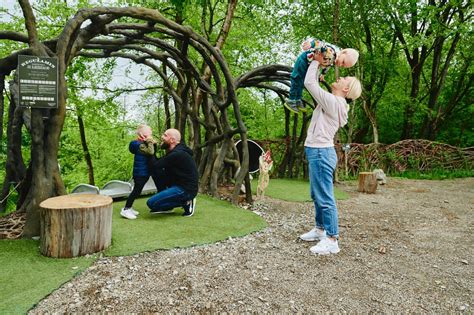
[(408, 248)]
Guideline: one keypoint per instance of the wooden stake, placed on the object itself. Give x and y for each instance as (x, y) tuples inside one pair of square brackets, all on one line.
[(367, 182)]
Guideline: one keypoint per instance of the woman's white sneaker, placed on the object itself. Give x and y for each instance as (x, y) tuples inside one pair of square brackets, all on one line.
[(314, 235), (325, 247)]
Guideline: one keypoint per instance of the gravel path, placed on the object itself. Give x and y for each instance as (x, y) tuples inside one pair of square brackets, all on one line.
[(408, 248)]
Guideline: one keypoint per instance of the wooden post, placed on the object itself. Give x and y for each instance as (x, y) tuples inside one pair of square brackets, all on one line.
[(75, 225), (367, 182)]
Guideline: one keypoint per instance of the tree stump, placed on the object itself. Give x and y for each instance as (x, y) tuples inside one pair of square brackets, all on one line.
[(75, 225), (367, 182)]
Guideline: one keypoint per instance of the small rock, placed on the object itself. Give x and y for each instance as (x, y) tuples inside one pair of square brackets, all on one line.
[(465, 262), (382, 250)]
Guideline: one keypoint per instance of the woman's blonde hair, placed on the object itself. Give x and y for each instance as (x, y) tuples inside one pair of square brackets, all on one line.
[(355, 89)]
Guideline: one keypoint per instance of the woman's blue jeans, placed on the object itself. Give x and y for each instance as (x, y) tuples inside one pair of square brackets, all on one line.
[(322, 163), (169, 198)]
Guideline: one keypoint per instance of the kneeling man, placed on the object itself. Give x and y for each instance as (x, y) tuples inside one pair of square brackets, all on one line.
[(177, 174)]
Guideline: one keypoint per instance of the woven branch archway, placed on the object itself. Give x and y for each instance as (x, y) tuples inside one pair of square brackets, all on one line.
[(149, 39)]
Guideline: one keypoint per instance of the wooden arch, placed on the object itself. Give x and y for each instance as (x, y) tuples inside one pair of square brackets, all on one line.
[(149, 39)]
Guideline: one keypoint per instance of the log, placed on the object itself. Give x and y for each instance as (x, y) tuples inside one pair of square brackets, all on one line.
[(367, 182), (75, 225)]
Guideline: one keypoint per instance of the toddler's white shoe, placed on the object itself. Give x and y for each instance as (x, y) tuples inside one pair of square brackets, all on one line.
[(127, 213)]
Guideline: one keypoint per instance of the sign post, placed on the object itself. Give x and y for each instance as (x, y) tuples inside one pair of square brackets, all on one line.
[(38, 82)]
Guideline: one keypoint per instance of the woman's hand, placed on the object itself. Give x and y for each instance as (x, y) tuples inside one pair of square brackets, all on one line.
[(322, 61)]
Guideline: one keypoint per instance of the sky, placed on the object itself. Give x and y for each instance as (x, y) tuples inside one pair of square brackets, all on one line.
[(10, 6)]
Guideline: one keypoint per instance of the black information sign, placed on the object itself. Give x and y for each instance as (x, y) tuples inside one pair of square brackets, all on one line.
[(38, 81)]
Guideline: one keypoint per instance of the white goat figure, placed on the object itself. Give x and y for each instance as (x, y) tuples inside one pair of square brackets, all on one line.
[(265, 165)]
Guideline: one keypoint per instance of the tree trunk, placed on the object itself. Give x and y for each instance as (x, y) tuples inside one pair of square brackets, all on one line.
[(45, 177), (85, 149), (2, 107), (367, 182), (45, 181), (166, 105), (75, 225), (15, 170), (408, 124), (218, 164)]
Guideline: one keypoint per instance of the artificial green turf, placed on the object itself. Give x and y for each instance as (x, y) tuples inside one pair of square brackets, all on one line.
[(292, 190), (213, 220), (26, 276)]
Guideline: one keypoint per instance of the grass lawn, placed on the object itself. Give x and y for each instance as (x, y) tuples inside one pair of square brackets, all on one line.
[(213, 221), (26, 276), (292, 190)]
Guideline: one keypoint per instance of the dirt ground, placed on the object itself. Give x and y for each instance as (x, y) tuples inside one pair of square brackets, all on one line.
[(408, 248)]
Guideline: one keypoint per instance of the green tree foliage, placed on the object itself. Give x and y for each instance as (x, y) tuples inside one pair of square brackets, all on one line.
[(394, 38), (107, 138)]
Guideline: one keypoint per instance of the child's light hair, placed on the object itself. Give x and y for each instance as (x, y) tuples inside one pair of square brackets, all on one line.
[(144, 131), (351, 58), (355, 89)]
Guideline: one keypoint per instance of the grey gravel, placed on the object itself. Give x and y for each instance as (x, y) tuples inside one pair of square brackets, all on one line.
[(408, 248)]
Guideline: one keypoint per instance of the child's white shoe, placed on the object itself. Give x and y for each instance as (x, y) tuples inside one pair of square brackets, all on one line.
[(127, 213)]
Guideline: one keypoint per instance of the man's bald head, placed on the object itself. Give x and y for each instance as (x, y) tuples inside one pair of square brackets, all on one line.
[(170, 139), (175, 134)]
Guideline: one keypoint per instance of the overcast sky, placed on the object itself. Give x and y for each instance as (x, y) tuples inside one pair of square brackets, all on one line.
[(10, 6)]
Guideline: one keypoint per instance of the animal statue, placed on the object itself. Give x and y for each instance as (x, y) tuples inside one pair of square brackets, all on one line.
[(380, 175), (265, 165)]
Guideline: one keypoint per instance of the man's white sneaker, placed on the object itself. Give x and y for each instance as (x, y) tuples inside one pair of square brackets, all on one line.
[(325, 247), (314, 235), (127, 213)]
